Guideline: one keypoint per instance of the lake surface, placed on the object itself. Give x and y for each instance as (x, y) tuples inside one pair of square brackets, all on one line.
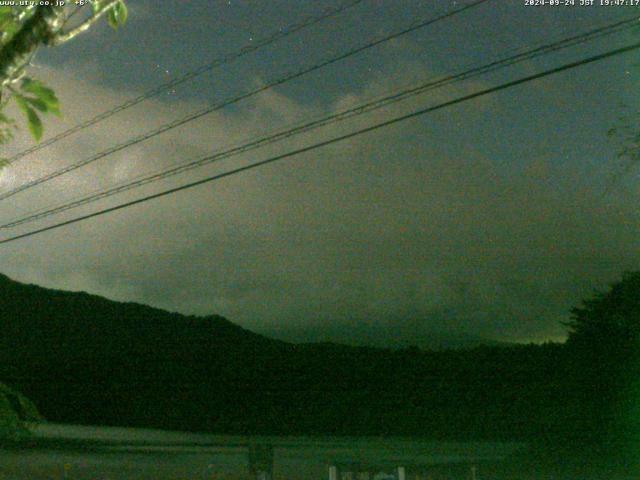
[(119, 453)]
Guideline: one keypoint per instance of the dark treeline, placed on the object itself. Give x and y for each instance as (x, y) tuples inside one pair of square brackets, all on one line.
[(85, 359)]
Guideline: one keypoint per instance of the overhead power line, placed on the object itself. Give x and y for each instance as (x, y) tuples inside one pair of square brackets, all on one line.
[(190, 75), (218, 106), (333, 140), (373, 104)]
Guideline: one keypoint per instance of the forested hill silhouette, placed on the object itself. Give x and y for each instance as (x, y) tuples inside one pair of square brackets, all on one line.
[(85, 359)]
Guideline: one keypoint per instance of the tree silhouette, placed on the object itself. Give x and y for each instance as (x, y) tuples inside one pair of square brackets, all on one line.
[(609, 323), (604, 343)]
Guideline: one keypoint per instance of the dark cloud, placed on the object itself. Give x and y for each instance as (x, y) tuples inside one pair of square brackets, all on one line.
[(487, 219)]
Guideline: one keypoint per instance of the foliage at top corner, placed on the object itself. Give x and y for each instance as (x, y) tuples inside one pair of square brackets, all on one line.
[(23, 29)]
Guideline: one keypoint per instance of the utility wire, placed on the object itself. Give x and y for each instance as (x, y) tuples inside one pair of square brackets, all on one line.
[(228, 58), (373, 104), (333, 140), (218, 106)]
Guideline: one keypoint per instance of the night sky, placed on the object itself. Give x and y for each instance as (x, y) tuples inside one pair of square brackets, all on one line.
[(490, 218)]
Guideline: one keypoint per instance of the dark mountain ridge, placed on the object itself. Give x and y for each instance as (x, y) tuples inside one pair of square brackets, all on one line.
[(84, 359), (389, 335)]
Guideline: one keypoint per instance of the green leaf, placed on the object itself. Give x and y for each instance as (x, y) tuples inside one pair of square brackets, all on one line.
[(21, 102), (35, 124), (122, 12), (38, 104), (112, 19), (9, 27), (54, 108), (6, 13), (33, 120), (44, 95), (38, 89), (117, 16)]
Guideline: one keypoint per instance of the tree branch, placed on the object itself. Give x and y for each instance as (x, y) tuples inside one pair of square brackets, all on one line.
[(16, 53), (66, 36)]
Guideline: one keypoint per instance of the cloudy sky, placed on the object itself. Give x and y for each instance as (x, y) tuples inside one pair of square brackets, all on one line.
[(493, 217)]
